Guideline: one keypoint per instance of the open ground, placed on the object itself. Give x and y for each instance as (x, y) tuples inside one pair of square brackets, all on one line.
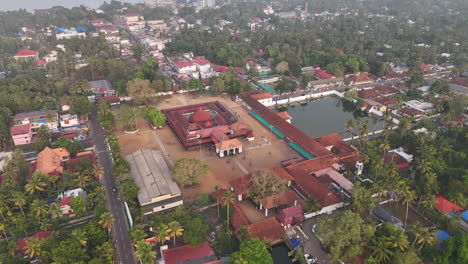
[(265, 151)]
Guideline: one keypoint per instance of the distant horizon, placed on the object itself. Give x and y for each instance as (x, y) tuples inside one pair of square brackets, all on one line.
[(30, 5)]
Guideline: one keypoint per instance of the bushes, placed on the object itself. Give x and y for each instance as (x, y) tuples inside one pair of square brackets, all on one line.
[(187, 171)]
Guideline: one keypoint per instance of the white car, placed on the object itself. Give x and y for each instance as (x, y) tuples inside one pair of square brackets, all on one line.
[(309, 259)]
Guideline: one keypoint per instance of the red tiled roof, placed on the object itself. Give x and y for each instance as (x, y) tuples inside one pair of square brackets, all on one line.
[(238, 217), (21, 129), (276, 200), (425, 67), (291, 132), (26, 52), (41, 63), (323, 74), (284, 115), (22, 244), (65, 201), (187, 253), (49, 160), (261, 96), (445, 206), (399, 161), (393, 75), (219, 68), (241, 185), (229, 144), (182, 64), (269, 230), (200, 61), (200, 116), (291, 215), (386, 89), (385, 101), (369, 93), (111, 99), (411, 111), (239, 70), (361, 78), (463, 81)]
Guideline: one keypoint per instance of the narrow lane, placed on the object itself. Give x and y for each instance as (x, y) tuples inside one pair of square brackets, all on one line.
[(123, 245)]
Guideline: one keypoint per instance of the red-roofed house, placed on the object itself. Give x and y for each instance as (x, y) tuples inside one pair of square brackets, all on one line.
[(21, 134), (323, 74), (220, 69), (369, 93), (263, 98), (51, 161), (445, 206), (425, 67), (203, 66), (41, 63), (285, 116), (22, 245), (186, 254), (290, 215), (268, 230), (64, 205), (278, 200), (27, 54), (184, 66), (361, 79)]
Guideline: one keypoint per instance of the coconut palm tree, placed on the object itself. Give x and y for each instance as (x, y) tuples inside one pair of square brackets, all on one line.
[(399, 241), (137, 234), (83, 179), (144, 253), (381, 252), (33, 247), (363, 133), (161, 233), (36, 185), (408, 197), (385, 146), (98, 170), (19, 200), (106, 221), (349, 126), (3, 229), (54, 210), (174, 229), (39, 208), (228, 199), (216, 188), (80, 236), (425, 237)]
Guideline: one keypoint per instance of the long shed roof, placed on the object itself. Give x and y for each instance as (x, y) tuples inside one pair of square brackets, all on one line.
[(151, 174)]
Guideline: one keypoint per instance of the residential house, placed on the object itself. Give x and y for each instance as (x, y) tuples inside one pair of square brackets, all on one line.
[(184, 66), (21, 134), (202, 254), (27, 54), (269, 230), (69, 120), (65, 199), (132, 18), (51, 161), (285, 116), (78, 32), (361, 79), (22, 245), (290, 215), (102, 88), (424, 107), (326, 84), (37, 119), (321, 75)]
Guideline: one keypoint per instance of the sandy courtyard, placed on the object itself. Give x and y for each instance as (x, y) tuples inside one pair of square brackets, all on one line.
[(264, 152)]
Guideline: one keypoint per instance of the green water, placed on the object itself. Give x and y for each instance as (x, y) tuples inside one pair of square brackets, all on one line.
[(325, 116), (280, 254)]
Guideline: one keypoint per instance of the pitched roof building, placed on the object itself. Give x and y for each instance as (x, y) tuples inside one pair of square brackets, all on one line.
[(51, 161), (268, 230), (158, 191), (445, 206), (186, 254)]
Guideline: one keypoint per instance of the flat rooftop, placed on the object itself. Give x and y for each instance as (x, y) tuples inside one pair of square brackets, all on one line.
[(151, 174)]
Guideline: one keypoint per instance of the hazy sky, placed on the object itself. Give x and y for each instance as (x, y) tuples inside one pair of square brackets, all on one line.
[(37, 4)]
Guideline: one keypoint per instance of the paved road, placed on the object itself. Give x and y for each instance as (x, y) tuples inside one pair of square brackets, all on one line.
[(312, 244), (122, 243)]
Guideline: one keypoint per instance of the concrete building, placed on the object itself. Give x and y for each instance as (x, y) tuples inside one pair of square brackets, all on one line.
[(21, 134), (160, 3), (38, 119), (78, 32), (158, 191)]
